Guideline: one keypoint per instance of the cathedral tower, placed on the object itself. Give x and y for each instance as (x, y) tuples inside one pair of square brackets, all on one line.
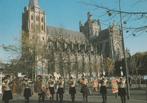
[(33, 19), (34, 35)]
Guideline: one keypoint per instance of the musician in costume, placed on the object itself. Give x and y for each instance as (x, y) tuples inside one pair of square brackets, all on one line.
[(114, 85), (95, 84), (51, 84), (72, 89), (14, 87), (103, 89), (7, 93), (61, 89), (42, 94), (84, 88), (27, 91), (56, 87), (122, 89), (41, 90)]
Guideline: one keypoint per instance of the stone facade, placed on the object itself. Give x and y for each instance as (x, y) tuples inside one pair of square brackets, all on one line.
[(53, 49), (110, 43)]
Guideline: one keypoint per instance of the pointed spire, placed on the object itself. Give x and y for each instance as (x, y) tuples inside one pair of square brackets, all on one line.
[(89, 16), (98, 21), (34, 3), (80, 23)]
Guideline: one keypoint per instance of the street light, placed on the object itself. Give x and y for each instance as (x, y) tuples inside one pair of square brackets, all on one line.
[(123, 46)]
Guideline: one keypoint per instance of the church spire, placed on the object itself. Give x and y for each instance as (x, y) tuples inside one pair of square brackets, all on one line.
[(34, 3)]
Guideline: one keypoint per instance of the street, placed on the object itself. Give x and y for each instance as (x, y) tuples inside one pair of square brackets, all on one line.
[(137, 96)]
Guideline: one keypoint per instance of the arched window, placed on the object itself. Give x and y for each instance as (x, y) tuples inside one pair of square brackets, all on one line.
[(32, 27), (42, 28), (32, 17), (42, 19)]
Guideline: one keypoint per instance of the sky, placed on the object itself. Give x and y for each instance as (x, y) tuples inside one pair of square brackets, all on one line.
[(67, 14)]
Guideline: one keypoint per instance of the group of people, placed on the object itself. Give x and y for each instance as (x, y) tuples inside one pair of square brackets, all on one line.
[(55, 87), (118, 88), (50, 88)]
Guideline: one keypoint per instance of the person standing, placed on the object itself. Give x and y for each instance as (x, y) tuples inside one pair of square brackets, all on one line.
[(14, 87), (51, 84), (56, 88), (27, 91), (95, 85), (103, 89), (40, 89), (114, 86), (122, 89), (72, 89), (84, 88), (61, 89), (42, 94), (7, 93)]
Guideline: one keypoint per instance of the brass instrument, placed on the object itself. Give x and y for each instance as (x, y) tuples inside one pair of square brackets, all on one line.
[(71, 82)]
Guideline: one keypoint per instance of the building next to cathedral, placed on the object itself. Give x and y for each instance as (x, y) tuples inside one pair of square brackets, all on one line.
[(47, 49)]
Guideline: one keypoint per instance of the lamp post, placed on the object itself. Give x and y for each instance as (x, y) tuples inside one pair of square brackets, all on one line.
[(102, 64), (90, 69), (76, 63), (123, 46), (83, 62)]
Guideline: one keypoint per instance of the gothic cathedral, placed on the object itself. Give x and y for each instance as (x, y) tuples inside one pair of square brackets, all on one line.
[(47, 49)]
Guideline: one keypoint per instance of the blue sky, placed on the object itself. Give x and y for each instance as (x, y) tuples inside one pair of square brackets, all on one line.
[(67, 14)]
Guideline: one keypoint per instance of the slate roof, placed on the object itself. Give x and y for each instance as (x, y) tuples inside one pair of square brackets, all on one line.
[(67, 35)]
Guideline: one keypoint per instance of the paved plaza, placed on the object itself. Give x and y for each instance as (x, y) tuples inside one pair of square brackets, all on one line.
[(137, 96)]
